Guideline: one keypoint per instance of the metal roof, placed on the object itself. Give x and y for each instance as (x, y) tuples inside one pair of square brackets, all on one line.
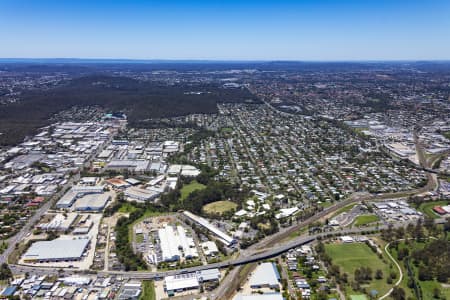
[(265, 274), (57, 249)]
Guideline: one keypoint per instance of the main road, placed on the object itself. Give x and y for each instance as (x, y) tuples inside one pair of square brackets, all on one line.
[(296, 242)]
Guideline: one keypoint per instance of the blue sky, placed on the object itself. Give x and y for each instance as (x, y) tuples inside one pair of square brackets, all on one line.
[(228, 30)]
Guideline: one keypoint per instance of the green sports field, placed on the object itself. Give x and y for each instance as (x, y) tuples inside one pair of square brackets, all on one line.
[(219, 207), (349, 257), (366, 219), (189, 188)]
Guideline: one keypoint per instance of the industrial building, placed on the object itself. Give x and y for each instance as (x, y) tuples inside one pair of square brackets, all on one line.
[(266, 296), (189, 281), (210, 248), (179, 283), (56, 250), (141, 194), (92, 202), (135, 165), (221, 236), (265, 275), (175, 244), (59, 222), (75, 192)]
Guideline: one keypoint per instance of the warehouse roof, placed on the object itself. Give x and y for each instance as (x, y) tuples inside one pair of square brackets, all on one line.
[(265, 274), (223, 237), (92, 201), (56, 249), (180, 282), (267, 296)]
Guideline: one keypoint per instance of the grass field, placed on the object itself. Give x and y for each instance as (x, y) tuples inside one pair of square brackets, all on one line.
[(189, 188), (365, 219), (127, 208), (219, 207), (226, 130), (344, 209), (148, 290), (427, 208), (349, 257)]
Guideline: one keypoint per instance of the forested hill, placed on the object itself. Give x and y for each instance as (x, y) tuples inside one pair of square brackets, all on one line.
[(139, 100)]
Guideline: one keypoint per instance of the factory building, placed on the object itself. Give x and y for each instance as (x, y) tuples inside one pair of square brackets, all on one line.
[(265, 275), (141, 194), (75, 192), (189, 281), (221, 236), (56, 250), (92, 202), (175, 244)]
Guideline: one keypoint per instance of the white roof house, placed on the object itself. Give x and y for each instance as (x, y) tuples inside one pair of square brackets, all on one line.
[(286, 212)]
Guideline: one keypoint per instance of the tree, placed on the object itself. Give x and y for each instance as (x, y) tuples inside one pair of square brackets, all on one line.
[(5, 272), (379, 274), (436, 293), (398, 293)]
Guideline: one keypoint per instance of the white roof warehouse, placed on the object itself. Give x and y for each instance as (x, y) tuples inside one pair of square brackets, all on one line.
[(56, 250)]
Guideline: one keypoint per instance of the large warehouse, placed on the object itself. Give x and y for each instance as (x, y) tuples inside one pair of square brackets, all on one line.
[(92, 202), (221, 236), (175, 244), (56, 250), (265, 275)]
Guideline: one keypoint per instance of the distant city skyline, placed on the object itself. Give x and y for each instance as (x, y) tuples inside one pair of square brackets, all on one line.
[(227, 30)]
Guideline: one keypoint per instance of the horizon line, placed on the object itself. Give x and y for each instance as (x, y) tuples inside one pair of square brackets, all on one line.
[(188, 60)]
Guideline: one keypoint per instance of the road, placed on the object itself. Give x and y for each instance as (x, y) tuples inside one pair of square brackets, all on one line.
[(28, 227), (301, 240)]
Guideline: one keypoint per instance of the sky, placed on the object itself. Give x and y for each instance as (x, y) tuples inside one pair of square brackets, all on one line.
[(314, 30)]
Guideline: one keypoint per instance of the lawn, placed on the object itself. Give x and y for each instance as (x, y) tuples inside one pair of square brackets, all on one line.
[(427, 208), (127, 208), (365, 219), (189, 188), (148, 290), (428, 289), (349, 257), (226, 130), (344, 209), (219, 207)]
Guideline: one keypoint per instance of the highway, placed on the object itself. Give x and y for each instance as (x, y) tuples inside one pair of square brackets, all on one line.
[(275, 251)]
